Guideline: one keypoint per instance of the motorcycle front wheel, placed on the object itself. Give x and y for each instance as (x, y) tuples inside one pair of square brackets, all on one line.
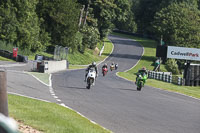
[(139, 86), (88, 86)]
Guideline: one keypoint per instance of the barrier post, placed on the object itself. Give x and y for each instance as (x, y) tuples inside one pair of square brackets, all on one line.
[(3, 93)]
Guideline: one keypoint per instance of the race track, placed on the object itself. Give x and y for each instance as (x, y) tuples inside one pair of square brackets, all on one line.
[(115, 104)]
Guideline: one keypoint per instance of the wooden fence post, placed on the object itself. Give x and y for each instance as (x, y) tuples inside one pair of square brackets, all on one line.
[(3, 93)]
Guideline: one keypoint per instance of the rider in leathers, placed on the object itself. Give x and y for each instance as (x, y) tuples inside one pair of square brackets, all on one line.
[(93, 65), (141, 72)]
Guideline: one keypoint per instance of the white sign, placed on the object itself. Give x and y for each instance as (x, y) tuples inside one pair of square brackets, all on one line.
[(183, 53)]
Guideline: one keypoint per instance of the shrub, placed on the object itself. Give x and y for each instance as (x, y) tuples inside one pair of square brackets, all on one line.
[(172, 66)]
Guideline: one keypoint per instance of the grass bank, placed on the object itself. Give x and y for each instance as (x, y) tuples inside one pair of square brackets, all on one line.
[(5, 59), (77, 59), (147, 60), (50, 117)]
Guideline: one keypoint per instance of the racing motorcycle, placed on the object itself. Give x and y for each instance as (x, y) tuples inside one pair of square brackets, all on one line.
[(112, 67), (91, 78), (141, 79), (104, 71), (116, 66)]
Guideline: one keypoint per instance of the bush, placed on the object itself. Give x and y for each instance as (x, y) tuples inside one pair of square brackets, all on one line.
[(172, 66), (90, 37)]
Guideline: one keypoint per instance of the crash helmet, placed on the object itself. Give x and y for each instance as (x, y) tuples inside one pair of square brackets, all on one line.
[(94, 63), (144, 68)]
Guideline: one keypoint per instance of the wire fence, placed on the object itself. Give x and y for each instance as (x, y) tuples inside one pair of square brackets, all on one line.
[(60, 53)]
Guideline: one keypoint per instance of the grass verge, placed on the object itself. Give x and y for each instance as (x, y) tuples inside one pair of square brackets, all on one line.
[(76, 67), (49, 117), (147, 60), (89, 56), (5, 59), (44, 77)]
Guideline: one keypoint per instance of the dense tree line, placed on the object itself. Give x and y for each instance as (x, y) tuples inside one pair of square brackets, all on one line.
[(41, 24), (80, 24), (177, 21)]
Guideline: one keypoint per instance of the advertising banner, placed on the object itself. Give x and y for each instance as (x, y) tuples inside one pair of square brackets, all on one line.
[(183, 53)]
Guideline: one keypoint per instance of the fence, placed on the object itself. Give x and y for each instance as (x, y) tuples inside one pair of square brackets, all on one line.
[(166, 77), (60, 53)]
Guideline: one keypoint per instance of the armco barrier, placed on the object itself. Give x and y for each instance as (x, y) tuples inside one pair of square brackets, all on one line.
[(9, 55)]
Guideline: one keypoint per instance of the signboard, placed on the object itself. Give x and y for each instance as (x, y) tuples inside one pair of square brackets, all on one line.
[(183, 53)]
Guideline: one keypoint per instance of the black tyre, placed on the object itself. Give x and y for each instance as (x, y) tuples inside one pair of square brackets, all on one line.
[(88, 86), (139, 87)]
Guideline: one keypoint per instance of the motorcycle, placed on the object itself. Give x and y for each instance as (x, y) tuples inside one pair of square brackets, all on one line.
[(104, 71), (116, 66), (112, 67), (91, 78), (141, 79)]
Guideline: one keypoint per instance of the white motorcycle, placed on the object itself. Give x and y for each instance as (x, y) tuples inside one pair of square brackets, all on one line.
[(91, 78)]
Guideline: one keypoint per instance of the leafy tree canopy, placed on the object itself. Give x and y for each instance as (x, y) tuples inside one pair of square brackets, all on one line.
[(179, 25), (60, 19)]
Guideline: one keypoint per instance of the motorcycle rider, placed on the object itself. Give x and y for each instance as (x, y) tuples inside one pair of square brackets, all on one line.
[(141, 72), (93, 65), (105, 66), (112, 66)]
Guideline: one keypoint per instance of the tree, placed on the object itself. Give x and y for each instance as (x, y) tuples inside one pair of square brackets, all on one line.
[(28, 27), (145, 11), (60, 19), (90, 37), (8, 21), (179, 25), (145, 15), (104, 12), (125, 19)]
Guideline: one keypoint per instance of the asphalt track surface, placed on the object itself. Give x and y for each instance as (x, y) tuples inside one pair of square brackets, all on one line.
[(115, 104), (21, 83)]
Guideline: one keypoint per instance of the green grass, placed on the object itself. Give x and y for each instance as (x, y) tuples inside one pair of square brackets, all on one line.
[(89, 56), (147, 60), (49, 117), (76, 67), (5, 59), (32, 56), (44, 77)]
